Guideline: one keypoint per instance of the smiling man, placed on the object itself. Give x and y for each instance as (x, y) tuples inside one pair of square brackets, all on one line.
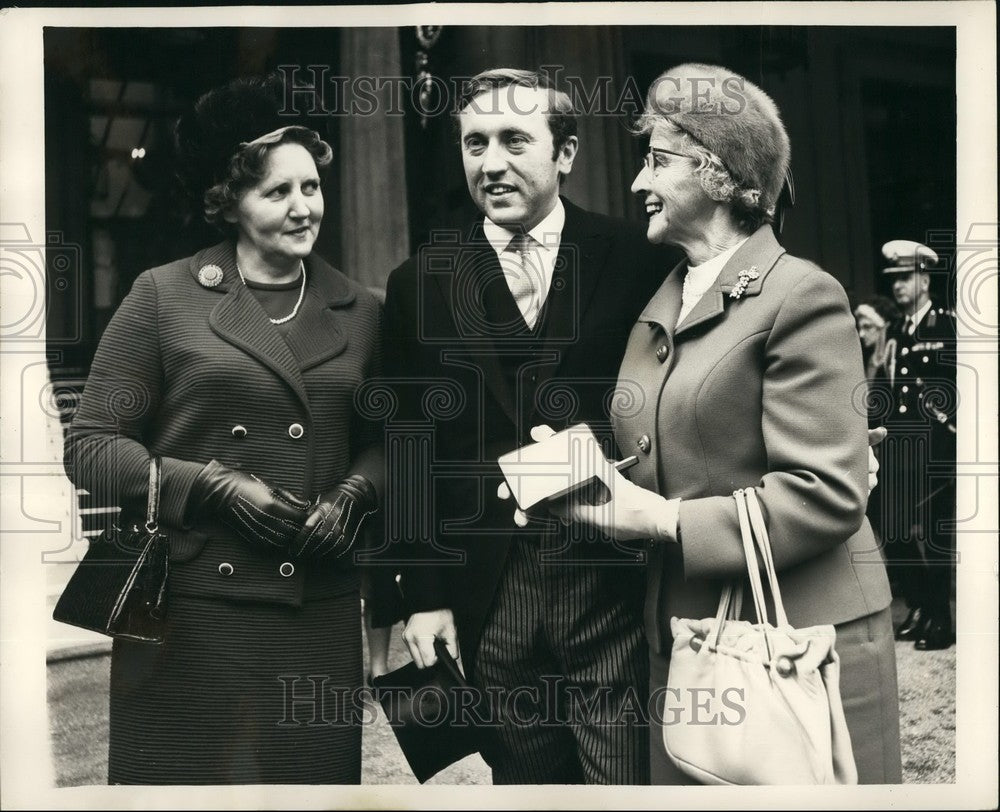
[(520, 320)]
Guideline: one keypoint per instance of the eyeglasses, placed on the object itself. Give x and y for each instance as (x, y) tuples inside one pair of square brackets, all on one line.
[(656, 158)]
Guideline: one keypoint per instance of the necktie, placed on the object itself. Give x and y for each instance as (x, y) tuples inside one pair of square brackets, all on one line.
[(908, 326), (525, 278)]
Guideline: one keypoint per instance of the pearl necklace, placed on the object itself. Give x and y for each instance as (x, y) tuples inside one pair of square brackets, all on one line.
[(298, 304)]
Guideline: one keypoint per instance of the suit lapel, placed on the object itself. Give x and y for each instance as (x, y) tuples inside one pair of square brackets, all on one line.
[(583, 253), (474, 268), (756, 257), (316, 334), (239, 320)]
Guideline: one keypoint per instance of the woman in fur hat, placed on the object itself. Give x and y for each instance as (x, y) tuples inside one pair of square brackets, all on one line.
[(748, 363), (239, 367)]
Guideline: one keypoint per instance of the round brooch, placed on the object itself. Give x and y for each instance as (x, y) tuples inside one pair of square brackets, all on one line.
[(209, 276)]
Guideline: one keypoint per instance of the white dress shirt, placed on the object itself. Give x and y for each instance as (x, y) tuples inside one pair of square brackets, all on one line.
[(538, 262)]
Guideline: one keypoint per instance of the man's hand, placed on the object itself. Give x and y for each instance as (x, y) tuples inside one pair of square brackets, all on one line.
[(421, 630), (875, 436)]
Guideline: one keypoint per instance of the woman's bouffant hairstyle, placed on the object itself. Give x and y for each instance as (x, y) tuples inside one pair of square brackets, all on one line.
[(222, 144), (734, 130)]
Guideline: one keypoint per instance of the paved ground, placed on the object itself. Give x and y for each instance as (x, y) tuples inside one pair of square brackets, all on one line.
[(79, 719)]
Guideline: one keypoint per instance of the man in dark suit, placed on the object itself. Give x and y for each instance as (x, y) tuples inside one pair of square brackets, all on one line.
[(919, 484), (517, 321)]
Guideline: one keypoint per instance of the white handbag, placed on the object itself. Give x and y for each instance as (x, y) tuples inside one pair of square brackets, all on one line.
[(779, 687)]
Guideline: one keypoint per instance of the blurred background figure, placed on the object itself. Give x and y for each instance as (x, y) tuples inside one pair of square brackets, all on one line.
[(873, 318), (919, 455)]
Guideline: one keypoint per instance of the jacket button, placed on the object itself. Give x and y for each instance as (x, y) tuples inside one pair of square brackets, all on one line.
[(904, 351), (904, 371), (226, 569), (239, 432), (925, 359), (644, 444), (295, 431), (661, 353), (906, 389), (902, 409), (287, 569)]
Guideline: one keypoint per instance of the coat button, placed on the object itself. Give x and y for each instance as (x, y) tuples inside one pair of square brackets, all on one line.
[(295, 431), (925, 359), (661, 353), (287, 569), (644, 444), (906, 389), (239, 432), (902, 409), (904, 371), (226, 569), (904, 351)]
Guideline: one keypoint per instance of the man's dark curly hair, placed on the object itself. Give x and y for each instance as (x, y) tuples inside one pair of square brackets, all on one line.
[(216, 161)]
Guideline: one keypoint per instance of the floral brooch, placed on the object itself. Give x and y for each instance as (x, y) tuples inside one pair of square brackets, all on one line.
[(741, 284)]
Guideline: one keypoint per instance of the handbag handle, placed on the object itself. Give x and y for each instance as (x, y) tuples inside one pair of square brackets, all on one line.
[(764, 544), (735, 590), (153, 497)]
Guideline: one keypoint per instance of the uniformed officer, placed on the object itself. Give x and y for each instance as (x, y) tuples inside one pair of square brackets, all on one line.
[(919, 458)]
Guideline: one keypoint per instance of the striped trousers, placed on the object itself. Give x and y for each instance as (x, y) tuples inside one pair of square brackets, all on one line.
[(563, 661)]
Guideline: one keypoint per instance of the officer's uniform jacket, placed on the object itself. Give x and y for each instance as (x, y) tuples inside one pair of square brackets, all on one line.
[(919, 413), (191, 369)]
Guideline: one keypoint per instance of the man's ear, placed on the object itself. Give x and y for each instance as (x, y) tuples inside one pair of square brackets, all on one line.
[(567, 154), (924, 282), (229, 214)]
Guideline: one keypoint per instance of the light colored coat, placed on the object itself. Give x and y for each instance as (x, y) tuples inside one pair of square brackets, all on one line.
[(764, 390)]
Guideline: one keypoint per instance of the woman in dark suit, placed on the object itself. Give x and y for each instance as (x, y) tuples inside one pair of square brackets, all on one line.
[(748, 365), (239, 366)]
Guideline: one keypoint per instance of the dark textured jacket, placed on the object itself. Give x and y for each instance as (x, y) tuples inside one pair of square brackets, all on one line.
[(192, 373)]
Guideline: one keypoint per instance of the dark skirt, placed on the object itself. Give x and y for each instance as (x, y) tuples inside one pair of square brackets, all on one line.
[(241, 693), (868, 690)]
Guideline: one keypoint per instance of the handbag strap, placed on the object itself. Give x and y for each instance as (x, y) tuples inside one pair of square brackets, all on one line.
[(753, 570), (764, 544), (153, 497)]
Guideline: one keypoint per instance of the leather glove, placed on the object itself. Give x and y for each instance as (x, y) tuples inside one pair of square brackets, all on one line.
[(333, 526), (260, 515)]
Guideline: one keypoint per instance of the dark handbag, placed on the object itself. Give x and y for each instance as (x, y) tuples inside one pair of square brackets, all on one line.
[(422, 706), (119, 588)]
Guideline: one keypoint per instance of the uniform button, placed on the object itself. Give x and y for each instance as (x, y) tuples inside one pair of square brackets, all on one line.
[(904, 351), (287, 569), (906, 389), (902, 410), (239, 432), (226, 569), (644, 443), (919, 382), (295, 431), (904, 371), (661, 353), (926, 359)]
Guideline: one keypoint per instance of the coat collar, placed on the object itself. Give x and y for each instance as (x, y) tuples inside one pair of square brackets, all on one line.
[(761, 251), (315, 334)]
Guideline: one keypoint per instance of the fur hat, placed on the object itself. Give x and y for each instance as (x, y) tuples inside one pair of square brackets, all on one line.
[(731, 117), (207, 137)]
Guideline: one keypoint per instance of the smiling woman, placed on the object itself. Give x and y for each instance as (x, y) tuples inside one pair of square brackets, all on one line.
[(242, 364)]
